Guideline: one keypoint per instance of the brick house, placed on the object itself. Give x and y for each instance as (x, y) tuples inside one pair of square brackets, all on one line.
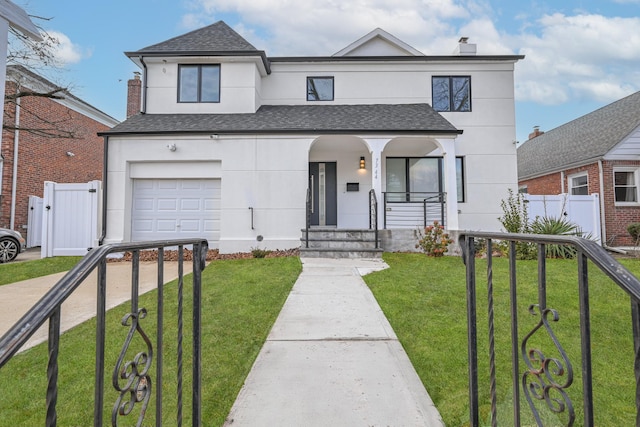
[(30, 158), (596, 153)]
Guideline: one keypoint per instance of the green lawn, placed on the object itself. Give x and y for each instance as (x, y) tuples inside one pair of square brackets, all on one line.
[(241, 300), (425, 301), (17, 271)]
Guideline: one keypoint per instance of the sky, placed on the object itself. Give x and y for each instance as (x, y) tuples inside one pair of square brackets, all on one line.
[(580, 55)]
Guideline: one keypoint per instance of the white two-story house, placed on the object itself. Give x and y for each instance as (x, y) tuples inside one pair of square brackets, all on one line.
[(243, 149)]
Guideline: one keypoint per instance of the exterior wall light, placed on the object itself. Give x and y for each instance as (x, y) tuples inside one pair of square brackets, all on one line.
[(362, 164)]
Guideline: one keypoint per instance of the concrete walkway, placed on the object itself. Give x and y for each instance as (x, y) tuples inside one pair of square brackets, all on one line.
[(332, 359), (17, 298)]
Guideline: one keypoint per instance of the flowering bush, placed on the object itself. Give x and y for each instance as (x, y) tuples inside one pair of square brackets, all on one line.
[(434, 241)]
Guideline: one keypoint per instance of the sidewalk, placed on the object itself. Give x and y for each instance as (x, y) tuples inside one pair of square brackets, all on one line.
[(332, 359), (17, 298)]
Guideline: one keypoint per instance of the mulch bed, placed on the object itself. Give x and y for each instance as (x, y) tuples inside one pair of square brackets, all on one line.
[(212, 255)]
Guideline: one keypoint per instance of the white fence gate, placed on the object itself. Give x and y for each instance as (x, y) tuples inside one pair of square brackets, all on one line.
[(34, 222), (583, 211), (70, 218)]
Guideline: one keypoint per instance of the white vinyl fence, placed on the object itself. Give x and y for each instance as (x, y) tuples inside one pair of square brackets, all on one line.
[(70, 218), (584, 211)]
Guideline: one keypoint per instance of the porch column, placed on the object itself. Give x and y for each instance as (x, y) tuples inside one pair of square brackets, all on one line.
[(450, 182), (375, 149)]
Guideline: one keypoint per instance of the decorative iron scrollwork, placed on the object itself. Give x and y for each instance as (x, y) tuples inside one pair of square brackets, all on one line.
[(547, 378), (130, 378)]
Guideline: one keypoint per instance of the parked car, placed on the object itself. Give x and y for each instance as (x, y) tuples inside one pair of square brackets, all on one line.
[(11, 244)]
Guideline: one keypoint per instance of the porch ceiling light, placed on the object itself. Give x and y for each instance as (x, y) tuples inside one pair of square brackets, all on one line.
[(362, 164)]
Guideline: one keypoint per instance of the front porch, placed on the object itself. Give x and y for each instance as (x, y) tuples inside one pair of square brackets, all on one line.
[(360, 189)]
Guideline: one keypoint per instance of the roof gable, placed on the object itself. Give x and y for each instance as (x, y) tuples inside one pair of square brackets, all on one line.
[(379, 43), (218, 37), (584, 140)]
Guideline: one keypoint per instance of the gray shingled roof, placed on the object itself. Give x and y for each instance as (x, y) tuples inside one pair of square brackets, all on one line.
[(581, 141), (218, 37), (405, 118)]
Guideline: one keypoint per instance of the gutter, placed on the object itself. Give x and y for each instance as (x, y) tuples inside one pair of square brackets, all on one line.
[(144, 85), (14, 177), (603, 222), (105, 163)]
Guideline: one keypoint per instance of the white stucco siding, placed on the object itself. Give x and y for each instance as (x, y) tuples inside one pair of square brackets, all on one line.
[(266, 174), (385, 83), (237, 88)]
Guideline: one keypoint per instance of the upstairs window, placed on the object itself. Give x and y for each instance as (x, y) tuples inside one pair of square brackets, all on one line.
[(319, 88), (625, 185), (579, 184), (199, 83), (451, 93)]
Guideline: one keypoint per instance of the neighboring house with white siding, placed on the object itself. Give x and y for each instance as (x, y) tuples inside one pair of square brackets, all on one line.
[(229, 141), (596, 153)]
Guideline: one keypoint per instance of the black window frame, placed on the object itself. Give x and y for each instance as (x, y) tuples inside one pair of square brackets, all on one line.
[(462, 195), (199, 83), (333, 88), (451, 108)]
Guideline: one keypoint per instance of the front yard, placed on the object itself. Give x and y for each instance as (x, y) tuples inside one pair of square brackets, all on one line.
[(425, 301), (423, 298)]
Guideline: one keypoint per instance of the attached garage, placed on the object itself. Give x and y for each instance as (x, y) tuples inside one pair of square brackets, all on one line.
[(176, 208)]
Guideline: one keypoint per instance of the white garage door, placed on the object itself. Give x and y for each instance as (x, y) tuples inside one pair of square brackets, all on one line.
[(175, 209)]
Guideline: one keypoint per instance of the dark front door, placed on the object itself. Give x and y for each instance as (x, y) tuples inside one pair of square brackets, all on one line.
[(324, 202)]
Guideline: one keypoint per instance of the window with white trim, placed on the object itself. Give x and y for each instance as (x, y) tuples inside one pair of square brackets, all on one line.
[(625, 185), (579, 184)]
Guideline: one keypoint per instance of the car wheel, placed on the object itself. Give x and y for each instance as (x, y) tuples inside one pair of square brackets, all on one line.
[(9, 249)]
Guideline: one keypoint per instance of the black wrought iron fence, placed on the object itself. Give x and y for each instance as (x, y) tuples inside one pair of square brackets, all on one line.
[(137, 379), (542, 372)]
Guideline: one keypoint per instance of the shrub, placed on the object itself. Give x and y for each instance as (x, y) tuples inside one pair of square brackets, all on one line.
[(515, 219), (434, 241), (634, 230), (259, 253), (557, 226)]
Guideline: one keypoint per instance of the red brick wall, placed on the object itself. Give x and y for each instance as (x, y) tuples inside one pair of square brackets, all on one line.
[(42, 158), (617, 217), (134, 96), (548, 184)]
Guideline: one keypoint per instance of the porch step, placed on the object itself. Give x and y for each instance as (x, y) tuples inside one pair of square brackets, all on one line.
[(335, 243)]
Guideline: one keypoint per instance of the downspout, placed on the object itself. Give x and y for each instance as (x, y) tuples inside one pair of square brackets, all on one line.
[(603, 222), (562, 182), (14, 177), (105, 164), (144, 85)]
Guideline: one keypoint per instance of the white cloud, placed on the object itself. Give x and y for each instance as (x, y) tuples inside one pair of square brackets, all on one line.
[(67, 52), (568, 57), (582, 57)]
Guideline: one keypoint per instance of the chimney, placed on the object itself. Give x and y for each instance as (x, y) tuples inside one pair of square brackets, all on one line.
[(536, 132), (464, 48), (134, 95)]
